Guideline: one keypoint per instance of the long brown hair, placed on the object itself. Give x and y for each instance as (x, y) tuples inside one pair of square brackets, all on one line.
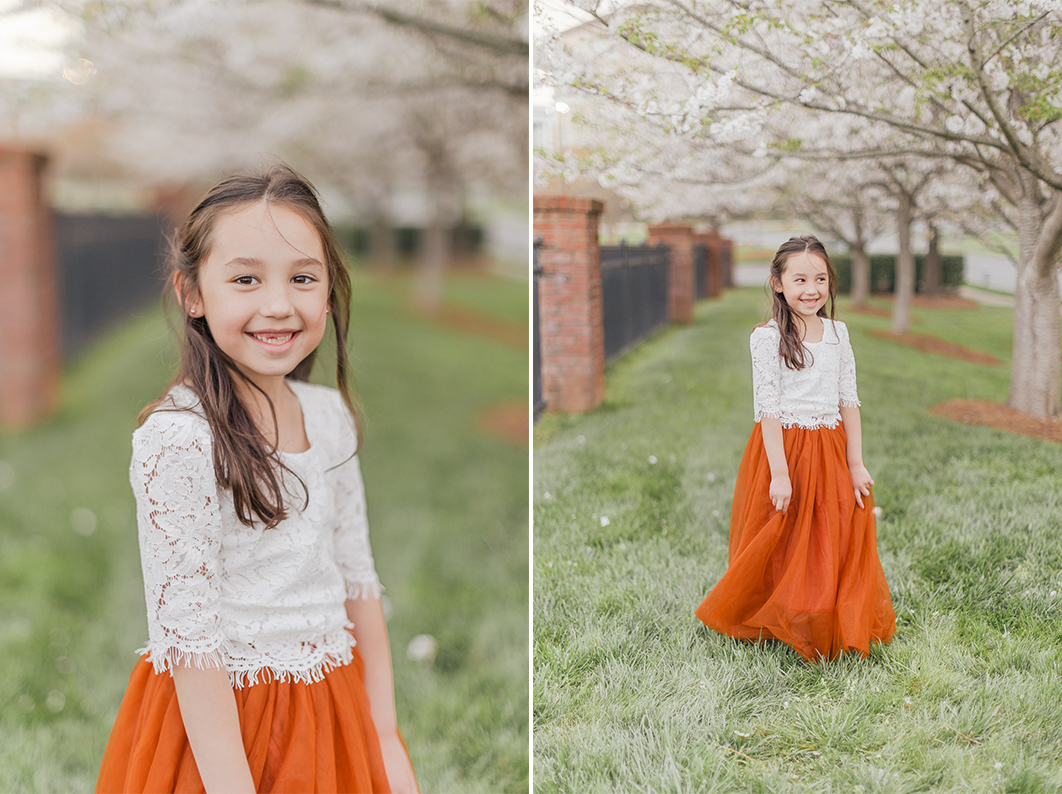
[(244, 462), (790, 347)]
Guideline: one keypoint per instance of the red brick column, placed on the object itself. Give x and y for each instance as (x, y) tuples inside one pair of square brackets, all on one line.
[(714, 259), (571, 321), (682, 292), (29, 301)]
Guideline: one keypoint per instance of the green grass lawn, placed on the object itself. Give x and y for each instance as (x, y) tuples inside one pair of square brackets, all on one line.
[(447, 508), (634, 694)]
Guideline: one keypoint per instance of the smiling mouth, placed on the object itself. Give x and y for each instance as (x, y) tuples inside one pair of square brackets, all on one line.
[(275, 339)]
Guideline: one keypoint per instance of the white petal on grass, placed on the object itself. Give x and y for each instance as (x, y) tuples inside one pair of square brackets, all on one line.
[(877, 512), (546, 494), (56, 701), (83, 521), (422, 649), (581, 439), (742, 735), (652, 459), (711, 477), (65, 665), (604, 521), (7, 475)]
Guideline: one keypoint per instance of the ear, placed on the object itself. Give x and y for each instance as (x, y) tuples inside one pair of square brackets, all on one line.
[(191, 304)]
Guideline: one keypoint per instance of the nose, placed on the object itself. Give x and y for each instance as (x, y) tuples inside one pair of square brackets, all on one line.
[(277, 302)]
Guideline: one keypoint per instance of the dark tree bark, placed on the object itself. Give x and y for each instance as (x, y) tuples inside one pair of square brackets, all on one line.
[(860, 274), (905, 272), (932, 274)]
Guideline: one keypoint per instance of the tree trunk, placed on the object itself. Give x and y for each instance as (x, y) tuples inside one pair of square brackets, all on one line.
[(431, 274), (1034, 377), (905, 276), (932, 275), (383, 249), (860, 274)]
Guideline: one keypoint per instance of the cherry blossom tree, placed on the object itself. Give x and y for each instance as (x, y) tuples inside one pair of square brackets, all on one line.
[(182, 90), (973, 83)]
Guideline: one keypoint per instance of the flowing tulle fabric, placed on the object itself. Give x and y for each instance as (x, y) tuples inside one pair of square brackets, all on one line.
[(299, 737), (811, 576)]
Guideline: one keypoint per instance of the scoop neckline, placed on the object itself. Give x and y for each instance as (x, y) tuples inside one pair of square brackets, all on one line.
[(305, 426), (804, 342), (302, 409)]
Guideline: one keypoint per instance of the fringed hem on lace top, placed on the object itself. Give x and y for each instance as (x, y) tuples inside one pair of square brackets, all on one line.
[(359, 590), (244, 672)]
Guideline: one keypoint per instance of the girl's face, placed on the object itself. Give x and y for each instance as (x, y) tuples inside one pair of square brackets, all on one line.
[(805, 283), (264, 290)]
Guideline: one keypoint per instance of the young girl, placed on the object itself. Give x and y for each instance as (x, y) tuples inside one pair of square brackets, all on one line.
[(267, 667), (804, 565)]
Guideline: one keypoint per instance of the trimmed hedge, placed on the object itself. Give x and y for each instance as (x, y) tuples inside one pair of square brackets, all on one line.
[(883, 272)]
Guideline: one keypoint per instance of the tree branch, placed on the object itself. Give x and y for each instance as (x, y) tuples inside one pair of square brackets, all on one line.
[(430, 27)]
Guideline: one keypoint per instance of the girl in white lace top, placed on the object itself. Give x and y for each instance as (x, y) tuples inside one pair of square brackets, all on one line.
[(267, 665), (803, 563)]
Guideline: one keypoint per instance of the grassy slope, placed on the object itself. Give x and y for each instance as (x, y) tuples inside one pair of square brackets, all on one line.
[(632, 693), (447, 506)]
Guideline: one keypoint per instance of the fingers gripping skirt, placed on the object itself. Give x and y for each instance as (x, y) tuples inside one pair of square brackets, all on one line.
[(810, 577)]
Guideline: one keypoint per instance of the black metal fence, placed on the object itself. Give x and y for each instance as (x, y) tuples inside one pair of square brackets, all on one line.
[(108, 266), (540, 403), (726, 253), (634, 286), (700, 271)]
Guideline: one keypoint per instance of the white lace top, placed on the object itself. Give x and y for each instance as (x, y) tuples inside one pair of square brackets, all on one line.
[(249, 599), (809, 397)]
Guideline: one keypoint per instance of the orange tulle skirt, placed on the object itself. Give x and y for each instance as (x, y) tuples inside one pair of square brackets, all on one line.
[(299, 737), (811, 576)]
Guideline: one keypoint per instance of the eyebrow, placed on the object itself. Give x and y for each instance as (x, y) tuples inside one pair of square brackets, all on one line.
[(245, 261)]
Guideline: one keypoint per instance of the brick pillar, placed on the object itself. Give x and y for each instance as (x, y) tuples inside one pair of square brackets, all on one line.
[(29, 301), (715, 261), (571, 320), (682, 292), (174, 202), (727, 251)]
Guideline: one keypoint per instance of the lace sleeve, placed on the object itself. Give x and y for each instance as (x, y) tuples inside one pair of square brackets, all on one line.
[(172, 474), (846, 386), (353, 553), (766, 373)]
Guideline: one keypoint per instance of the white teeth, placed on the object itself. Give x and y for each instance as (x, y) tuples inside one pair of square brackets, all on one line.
[(273, 340)]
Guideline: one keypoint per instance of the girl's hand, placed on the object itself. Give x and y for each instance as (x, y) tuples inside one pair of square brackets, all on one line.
[(861, 481), (396, 761), (781, 492)]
